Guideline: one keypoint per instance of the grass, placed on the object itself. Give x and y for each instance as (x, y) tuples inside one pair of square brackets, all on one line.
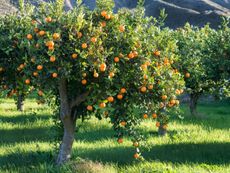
[(191, 146)]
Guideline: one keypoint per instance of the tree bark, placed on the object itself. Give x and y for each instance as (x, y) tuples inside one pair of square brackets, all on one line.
[(193, 103), (20, 104), (162, 131)]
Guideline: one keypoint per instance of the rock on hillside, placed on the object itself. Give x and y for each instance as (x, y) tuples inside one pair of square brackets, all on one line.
[(197, 12)]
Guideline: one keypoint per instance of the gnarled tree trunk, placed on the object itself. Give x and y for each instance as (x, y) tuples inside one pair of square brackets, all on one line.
[(20, 102), (193, 103), (162, 131)]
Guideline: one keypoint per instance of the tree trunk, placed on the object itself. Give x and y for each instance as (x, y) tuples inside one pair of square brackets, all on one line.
[(193, 103), (67, 141), (162, 131), (20, 104)]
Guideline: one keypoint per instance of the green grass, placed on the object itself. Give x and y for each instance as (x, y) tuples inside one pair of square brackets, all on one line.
[(191, 146)]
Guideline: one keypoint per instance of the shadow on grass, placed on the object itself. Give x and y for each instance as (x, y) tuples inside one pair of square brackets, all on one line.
[(25, 135), (22, 119), (209, 153)]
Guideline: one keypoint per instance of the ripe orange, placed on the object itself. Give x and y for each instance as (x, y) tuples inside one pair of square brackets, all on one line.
[(116, 59), (56, 36), (29, 37), (33, 22), (49, 43), (52, 59), (130, 55), (143, 89), (181, 91), (120, 96), (123, 123), (51, 47), (154, 115), (110, 99), (120, 140), (157, 53), (108, 16), (41, 33), (103, 13), (35, 74), (145, 116), (111, 74), (145, 76), (27, 81), (177, 92), (79, 34), (84, 46), (96, 75), (123, 90), (40, 93), (135, 53), (54, 75), (163, 97), (187, 75), (89, 108), (172, 101), (102, 105), (121, 28), (150, 87), (147, 63), (84, 82), (136, 155), (94, 39), (39, 67), (158, 124), (74, 55), (103, 24), (144, 66), (48, 19), (135, 144), (102, 67)]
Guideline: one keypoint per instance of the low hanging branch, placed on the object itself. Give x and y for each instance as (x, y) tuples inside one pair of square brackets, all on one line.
[(79, 99)]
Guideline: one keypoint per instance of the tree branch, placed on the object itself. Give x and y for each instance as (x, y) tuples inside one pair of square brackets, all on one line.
[(79, 99), (68, 4)]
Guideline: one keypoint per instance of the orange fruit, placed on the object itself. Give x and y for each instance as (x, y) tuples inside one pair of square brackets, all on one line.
[(121, 28), (35, 74), (135, 53), (110, 99), (40, 93), (135, 144), (145, 116), (103, 13), (116, 59), (41, 33), (56, 36), (84, 46), (150, 87), (102, 67), (123, 123), (103, 24), (157, 53), (52, 59), (27, 81), (130, 55), (181, 91), (79, 34), (39, 67), (143, 89), (84, 82), (96, 75), (33, 22), (120, 140), (54, 75), (29, 37), (89, 108), (145, 76), (102, 105), (177, 92), (147, 63), (48, 19), (123, 90), (108, 16), (36, 30), (187, 75), (136, 156), (111, 74), (154, 115), (158, 124), (74, 55), (120, 96), (172, 101), (144, 66), (49, 43), (51, 47), (94, 39), (177, 102), (164, 97)]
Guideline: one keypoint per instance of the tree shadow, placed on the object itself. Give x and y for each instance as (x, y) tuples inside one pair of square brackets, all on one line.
[(25, 135), (208, 153)]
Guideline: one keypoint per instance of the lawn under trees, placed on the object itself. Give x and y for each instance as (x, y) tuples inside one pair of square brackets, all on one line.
[(192, 145)]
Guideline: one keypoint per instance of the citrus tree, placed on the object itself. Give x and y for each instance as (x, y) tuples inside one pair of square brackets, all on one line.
[(102, 64), (12, 52)]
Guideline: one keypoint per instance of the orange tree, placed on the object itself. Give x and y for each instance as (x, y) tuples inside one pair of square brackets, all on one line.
[(12, 52), (103, 64)]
